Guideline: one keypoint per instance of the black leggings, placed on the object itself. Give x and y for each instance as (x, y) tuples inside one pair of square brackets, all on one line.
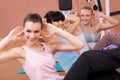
[(92, 62), (104, 75)]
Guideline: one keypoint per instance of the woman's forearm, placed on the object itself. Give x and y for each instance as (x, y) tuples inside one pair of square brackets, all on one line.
[(74, 22), (111, 20), (71, 38), (109, 23), (4, 42)]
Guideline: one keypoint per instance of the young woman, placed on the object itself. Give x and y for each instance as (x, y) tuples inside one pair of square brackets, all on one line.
[(102, 63), (35, 56), (86, 36), (66, 59), (89, 30)]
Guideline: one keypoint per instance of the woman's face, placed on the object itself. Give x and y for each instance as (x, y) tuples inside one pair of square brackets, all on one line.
[(85, 16), (59, 24), (32, 32)]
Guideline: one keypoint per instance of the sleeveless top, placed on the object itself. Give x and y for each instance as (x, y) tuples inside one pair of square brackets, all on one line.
[(66, 59), (40, 66), (90, 38)]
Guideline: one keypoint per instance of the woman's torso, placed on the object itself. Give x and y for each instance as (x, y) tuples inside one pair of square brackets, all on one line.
[(90, 34), (89, 38), (40, 66)]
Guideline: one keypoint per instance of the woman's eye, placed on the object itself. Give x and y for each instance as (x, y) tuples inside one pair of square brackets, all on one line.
[(36, 31), (82, 15), (28, 31), (87, 15)]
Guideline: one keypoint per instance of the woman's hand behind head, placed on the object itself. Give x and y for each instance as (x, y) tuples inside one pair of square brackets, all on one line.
[(16, 33)]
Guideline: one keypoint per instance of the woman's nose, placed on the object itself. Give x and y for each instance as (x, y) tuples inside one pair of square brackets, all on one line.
[(32, 35), (61, 23)]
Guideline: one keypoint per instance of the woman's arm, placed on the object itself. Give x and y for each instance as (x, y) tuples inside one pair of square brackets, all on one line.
[(14, 52), (12, 36), (73, 21), (75, 42), (11, 54), (110, 22)]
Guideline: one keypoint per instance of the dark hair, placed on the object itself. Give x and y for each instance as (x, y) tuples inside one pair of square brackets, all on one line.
[(88, 8), (34, 17), (53, 16)]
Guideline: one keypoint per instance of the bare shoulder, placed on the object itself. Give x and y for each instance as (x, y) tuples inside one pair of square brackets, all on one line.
[(54, 45), (18, 51)]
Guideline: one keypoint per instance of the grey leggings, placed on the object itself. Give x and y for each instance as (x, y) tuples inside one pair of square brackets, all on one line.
[(107, 40)]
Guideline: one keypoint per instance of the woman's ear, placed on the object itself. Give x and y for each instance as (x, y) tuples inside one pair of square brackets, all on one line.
[(44, 26)]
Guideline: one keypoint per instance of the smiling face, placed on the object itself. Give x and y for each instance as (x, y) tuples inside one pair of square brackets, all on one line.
[(59, 24), (32, 28), (86, 15), (56, 18), (32, 32)]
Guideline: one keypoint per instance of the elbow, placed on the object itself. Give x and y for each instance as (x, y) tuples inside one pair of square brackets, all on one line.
[(82, 45), (79, 47), (116, 22)]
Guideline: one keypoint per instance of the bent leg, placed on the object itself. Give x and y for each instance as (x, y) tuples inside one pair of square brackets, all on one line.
[(105, 75), (90, 62), (103, 60), (107, 40), (79, 70)]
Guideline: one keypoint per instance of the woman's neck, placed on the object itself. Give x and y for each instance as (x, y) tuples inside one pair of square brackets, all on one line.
[(38, 47), (35, 45), (86, 25)]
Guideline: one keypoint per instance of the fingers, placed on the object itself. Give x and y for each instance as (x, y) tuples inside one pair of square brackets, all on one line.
[(17, 31)]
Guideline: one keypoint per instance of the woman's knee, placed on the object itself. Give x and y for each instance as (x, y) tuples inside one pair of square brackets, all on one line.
[(107, 36)]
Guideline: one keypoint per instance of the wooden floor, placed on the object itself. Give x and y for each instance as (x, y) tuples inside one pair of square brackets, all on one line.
[(8, 71)]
